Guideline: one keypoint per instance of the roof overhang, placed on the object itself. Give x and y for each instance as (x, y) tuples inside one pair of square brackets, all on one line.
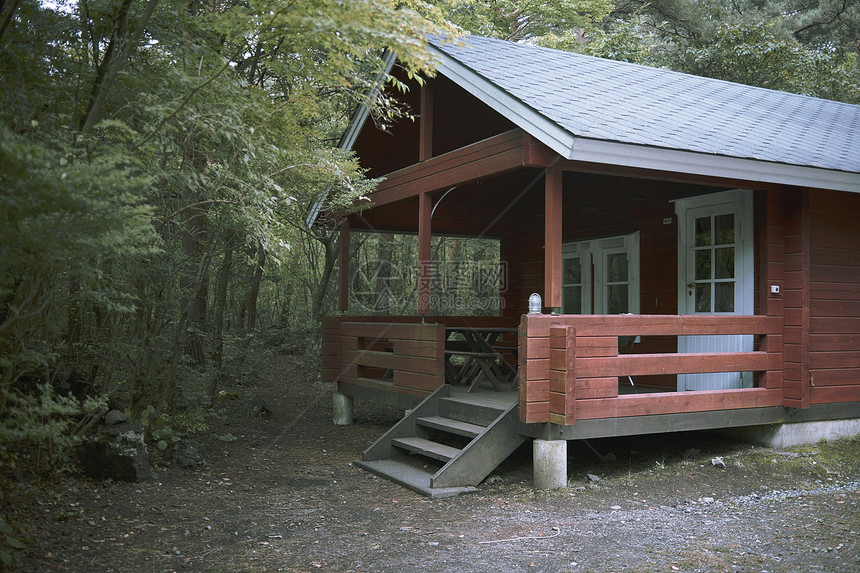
[(571, 147), (356, 124)]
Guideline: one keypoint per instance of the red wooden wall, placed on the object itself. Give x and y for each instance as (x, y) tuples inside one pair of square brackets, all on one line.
[(834, 299)]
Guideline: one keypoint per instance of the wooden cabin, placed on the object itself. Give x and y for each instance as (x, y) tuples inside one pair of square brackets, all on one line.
[(695, 244)]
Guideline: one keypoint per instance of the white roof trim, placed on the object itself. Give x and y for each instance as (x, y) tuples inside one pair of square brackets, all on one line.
[(356, 124), (536, 124), (572, 147), (363, 112), (720, 166)]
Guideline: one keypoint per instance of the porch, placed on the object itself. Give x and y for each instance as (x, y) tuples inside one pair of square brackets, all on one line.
[(569, 367), (576, 378)]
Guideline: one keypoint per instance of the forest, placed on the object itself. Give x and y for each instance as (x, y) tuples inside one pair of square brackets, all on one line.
[(158, 159)]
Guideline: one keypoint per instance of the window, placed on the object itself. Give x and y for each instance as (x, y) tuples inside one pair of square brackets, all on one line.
[(576, 278), (601, 276), (714, 259)]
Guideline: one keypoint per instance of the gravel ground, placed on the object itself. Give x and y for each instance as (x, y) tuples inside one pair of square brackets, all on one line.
[(285, 496)]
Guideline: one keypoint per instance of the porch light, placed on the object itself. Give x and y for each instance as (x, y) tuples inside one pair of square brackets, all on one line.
[(535, 303)]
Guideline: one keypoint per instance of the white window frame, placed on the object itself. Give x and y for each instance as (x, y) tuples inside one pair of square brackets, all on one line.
[(579, 250), (592, 254)]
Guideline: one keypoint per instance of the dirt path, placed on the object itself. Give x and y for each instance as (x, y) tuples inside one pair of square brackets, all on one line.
[(284, 496)]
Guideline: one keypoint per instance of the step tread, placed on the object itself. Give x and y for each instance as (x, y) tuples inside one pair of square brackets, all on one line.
[(411, 477), (452, 426), (487, 400), (427, 448)]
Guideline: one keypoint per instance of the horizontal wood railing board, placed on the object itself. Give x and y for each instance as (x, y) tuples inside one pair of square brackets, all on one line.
[(651, 364), (417, 380), (593, 375), (426, 349), (655, 325), (596, 388), (677, 402), (374, 330), (835, 377), (596, 346), (391, 361)]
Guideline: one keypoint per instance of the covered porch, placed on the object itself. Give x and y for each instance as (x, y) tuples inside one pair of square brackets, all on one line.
[(617, 257), (687, 281)]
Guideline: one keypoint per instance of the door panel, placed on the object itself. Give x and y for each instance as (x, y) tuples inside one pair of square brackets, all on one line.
[(601, 276), (715, 274)]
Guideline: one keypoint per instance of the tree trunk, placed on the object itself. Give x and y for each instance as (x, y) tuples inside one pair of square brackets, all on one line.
[(180, 337), (255, 286), (7, 9), (218, 315), (192, 284), (112, 66), (382, 304), (330, 261)]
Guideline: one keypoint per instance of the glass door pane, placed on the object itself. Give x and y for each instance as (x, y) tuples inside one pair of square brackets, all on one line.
[(713, 286)]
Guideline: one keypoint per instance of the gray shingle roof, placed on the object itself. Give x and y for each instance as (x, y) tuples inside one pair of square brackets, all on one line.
[(610, 101)]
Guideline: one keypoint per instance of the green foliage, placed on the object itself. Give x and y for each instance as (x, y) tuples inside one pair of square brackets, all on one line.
[(547, 22), (756, 54), (155, 167), (465, 273), (39, 430), (790, 45)]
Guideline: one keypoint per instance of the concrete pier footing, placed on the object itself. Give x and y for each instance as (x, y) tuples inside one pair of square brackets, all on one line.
[(343, 409), (550, 464)]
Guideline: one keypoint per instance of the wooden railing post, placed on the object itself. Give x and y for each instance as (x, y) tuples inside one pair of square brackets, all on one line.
[(534, 369), (562, 375)]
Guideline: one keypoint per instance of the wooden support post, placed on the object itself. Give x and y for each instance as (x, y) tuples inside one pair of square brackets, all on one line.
[(425, 124), (425, 208), (552, 237), (343, 268)]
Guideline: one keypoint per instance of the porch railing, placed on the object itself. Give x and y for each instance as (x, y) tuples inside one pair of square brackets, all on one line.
[(407, 357), (570, 365), (400, 354)]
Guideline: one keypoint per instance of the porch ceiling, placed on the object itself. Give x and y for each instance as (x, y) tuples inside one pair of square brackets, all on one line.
[(487, 207)]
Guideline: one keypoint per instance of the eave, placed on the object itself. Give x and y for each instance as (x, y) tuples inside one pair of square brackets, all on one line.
[(612, 153)]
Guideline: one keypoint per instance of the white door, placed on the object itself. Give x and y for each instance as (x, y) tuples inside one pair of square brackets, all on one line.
[(715, 276), (604, 272)]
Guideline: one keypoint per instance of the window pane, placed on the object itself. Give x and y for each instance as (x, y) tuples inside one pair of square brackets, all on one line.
[(725, 263), (703, 265), (617, 271), (572, 271), (725, 297), (617, 299), (703, 297), (725, 229), (703, 232), (572, 300)]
